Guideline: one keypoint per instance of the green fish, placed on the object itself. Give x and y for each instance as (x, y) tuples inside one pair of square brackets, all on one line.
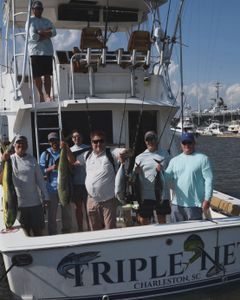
[(65, 188), (10, 205)]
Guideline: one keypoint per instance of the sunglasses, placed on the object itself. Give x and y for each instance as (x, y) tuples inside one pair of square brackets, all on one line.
[(187, 143), (101, 141), (53, 140), (150, 139)]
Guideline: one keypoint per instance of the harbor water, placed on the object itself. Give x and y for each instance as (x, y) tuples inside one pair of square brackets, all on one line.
[(224, 153)]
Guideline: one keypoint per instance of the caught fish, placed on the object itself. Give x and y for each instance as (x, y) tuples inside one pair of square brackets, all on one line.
[(73, 260), (120, 184), (136, 187), (65, 188), (10, 205), (158, 184)]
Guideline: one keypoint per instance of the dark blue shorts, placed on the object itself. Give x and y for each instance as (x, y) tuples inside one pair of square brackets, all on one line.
[(31, 218), (42, 65), (147, 207)]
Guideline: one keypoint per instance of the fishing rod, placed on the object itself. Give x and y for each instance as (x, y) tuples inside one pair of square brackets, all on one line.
[(176, 27), (123, 116), (130, 167)]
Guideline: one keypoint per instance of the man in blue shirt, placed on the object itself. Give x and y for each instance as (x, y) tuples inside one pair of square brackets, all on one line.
[(40, 49), (49, 164), (190, 176)]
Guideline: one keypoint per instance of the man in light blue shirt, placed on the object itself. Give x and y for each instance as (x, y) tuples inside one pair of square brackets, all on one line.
[(190, 176), (40, 49)]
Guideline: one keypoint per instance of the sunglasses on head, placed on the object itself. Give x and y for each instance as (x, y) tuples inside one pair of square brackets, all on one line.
[(100, 141), (187, 142)]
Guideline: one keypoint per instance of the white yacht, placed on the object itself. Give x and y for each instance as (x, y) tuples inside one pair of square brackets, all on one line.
[(125, 92), (234, 126), (214, 128)]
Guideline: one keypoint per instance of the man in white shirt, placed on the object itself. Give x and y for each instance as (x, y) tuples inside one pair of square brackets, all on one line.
[(101, 167)]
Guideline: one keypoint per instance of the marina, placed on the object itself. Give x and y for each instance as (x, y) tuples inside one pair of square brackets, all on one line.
[(129, 262)]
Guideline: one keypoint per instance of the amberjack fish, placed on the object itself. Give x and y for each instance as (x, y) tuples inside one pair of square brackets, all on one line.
[(158, 184), (65, 188), (120, 184), (10, 205), (136, 187)]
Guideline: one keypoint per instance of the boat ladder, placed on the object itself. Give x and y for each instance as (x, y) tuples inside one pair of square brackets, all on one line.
[(18, 55), (51, 118)]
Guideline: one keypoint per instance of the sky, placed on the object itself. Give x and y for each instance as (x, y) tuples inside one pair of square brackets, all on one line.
[(211, 46)]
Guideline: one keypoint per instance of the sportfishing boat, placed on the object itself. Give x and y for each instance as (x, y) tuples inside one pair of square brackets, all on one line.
[(214, 128), (125, 92), (234, 126), (186, 125)]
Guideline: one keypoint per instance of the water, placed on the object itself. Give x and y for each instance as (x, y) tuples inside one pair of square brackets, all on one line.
[(224, 154)]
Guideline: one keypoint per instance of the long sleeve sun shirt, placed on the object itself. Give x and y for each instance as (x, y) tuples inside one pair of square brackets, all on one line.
[(191, 179)]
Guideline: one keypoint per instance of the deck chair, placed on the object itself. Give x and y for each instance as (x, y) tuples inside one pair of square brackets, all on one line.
[(91, 38), (140, 42)]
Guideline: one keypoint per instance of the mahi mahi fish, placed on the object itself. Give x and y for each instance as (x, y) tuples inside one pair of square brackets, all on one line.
[(65, 189), (120, 184), (72, 260), (10, 205)]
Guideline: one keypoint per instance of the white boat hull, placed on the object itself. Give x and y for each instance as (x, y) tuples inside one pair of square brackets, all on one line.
[(128, 263)]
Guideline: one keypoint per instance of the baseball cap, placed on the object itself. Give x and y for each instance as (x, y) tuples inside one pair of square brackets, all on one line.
[(20, 138), (53, 136), (187, 137), (37, 4), (150, 135)]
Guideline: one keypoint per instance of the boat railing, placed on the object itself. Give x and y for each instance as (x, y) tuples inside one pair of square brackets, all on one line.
[(87, 62)]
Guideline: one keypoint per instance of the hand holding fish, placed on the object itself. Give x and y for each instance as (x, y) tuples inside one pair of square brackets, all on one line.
[(5, 156), (137, 169), (124, 154), (205, 205)]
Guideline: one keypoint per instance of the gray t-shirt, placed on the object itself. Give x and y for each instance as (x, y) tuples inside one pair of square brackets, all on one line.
[(28, 180)]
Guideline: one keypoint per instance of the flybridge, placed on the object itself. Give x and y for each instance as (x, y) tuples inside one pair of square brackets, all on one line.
[(75, 14)]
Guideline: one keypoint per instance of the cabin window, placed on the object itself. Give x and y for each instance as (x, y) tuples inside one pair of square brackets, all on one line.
[(148, 122), (83, 121), (78, 12), (119, 14)]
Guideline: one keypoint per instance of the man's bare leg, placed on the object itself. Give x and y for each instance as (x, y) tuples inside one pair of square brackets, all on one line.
[(38, 82), (47, 86)]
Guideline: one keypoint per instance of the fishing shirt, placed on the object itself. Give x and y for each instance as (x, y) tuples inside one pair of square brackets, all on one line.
[(148, 173), (100, 175), (37, 46), (79, 172), (191, 179), (28, 180), (52, 177)]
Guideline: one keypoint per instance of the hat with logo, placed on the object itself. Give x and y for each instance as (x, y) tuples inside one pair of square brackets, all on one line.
[(53, 136), (187, 137), (20, 138), (37, 4), (151, 135)]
